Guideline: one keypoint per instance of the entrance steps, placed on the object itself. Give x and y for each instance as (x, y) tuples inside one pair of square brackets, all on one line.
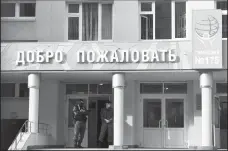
[(110, 149)]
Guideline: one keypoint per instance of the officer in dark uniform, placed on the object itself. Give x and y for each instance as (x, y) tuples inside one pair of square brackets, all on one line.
[(79, 120), (106, 133)]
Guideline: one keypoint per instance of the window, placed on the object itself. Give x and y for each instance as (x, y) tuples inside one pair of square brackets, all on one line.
[(106, 21), (93, 27), (18, 9), (177, 88), (167, 88), (89, 89), (7, 89), (23, 90), (151, 112), (175, 113), (180, 20), (221, 88), (27, 9), (223, 112), (163, 20), (89, 21), (222, 4), (14, 90), (77, 89), (105, 89), (157, 21), (147, 14), (148, 88), (7, 9)]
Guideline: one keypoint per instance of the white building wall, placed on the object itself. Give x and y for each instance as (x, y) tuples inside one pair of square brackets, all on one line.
[(197, 137), (129, 113), (61, 115), (137, 114), (126, 23), (190, 114), (10, 106), (48, 106)]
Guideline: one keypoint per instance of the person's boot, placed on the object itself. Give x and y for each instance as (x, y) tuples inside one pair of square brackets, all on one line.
[(75, 145), (109, 144), (79, 145), (100, 144)]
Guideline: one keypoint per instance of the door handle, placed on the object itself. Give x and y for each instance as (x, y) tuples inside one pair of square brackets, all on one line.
[(166, 123), (160, 123)]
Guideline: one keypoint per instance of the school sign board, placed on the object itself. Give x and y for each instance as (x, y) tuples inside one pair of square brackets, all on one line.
[(96, 56), (207, 39)]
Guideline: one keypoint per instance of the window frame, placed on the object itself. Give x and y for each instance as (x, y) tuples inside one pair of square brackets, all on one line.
[(220, 95), (216, 90), (17, 12), (80, 21), (224, 12), (88, 86), (163, 87), (173, 25), (16, 90)]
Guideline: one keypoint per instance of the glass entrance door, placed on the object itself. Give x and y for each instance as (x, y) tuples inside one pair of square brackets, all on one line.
[(152, 123), (223, 122), (96, 103), (163, 122), (174, 123)]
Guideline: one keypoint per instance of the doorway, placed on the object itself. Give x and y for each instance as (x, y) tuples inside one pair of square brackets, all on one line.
[(94, 123), (164, 121), (69, 130), (94, 104), (223, 122)]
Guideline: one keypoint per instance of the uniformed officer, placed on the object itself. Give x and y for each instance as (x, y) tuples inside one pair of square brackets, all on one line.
[(106, 133), (79, 120)]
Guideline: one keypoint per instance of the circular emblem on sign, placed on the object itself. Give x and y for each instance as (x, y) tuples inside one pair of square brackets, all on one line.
[(207, 28)]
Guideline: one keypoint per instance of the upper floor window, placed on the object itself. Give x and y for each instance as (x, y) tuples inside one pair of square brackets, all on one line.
[(90, 21), (18, 9), (157, 21), (222, 4), (8, 10)]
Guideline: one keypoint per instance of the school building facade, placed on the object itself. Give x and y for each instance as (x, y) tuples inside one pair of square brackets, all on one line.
[(163, 64)]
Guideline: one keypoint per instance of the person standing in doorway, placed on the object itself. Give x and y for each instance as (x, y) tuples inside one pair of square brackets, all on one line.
[(106, 132), (79, 120)]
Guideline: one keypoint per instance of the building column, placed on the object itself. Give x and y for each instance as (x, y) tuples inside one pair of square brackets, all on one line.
[(118, 83), (206, 84), (33, 85)]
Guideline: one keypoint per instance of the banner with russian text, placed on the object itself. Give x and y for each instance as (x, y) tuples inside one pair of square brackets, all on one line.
[(207, 39), (96, 56)]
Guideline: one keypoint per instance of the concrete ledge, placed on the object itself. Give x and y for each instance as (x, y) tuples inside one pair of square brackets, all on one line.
[(44, 146), (206, 148), (123, 147), (133, 146), (115, 147)]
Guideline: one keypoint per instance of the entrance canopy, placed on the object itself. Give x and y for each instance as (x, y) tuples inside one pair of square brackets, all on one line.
[(106, 77)]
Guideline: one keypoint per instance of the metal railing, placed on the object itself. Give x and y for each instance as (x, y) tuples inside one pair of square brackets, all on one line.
[(27, 127)]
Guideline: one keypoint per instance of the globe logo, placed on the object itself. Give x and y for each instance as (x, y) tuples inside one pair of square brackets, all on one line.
[(208, 28)]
